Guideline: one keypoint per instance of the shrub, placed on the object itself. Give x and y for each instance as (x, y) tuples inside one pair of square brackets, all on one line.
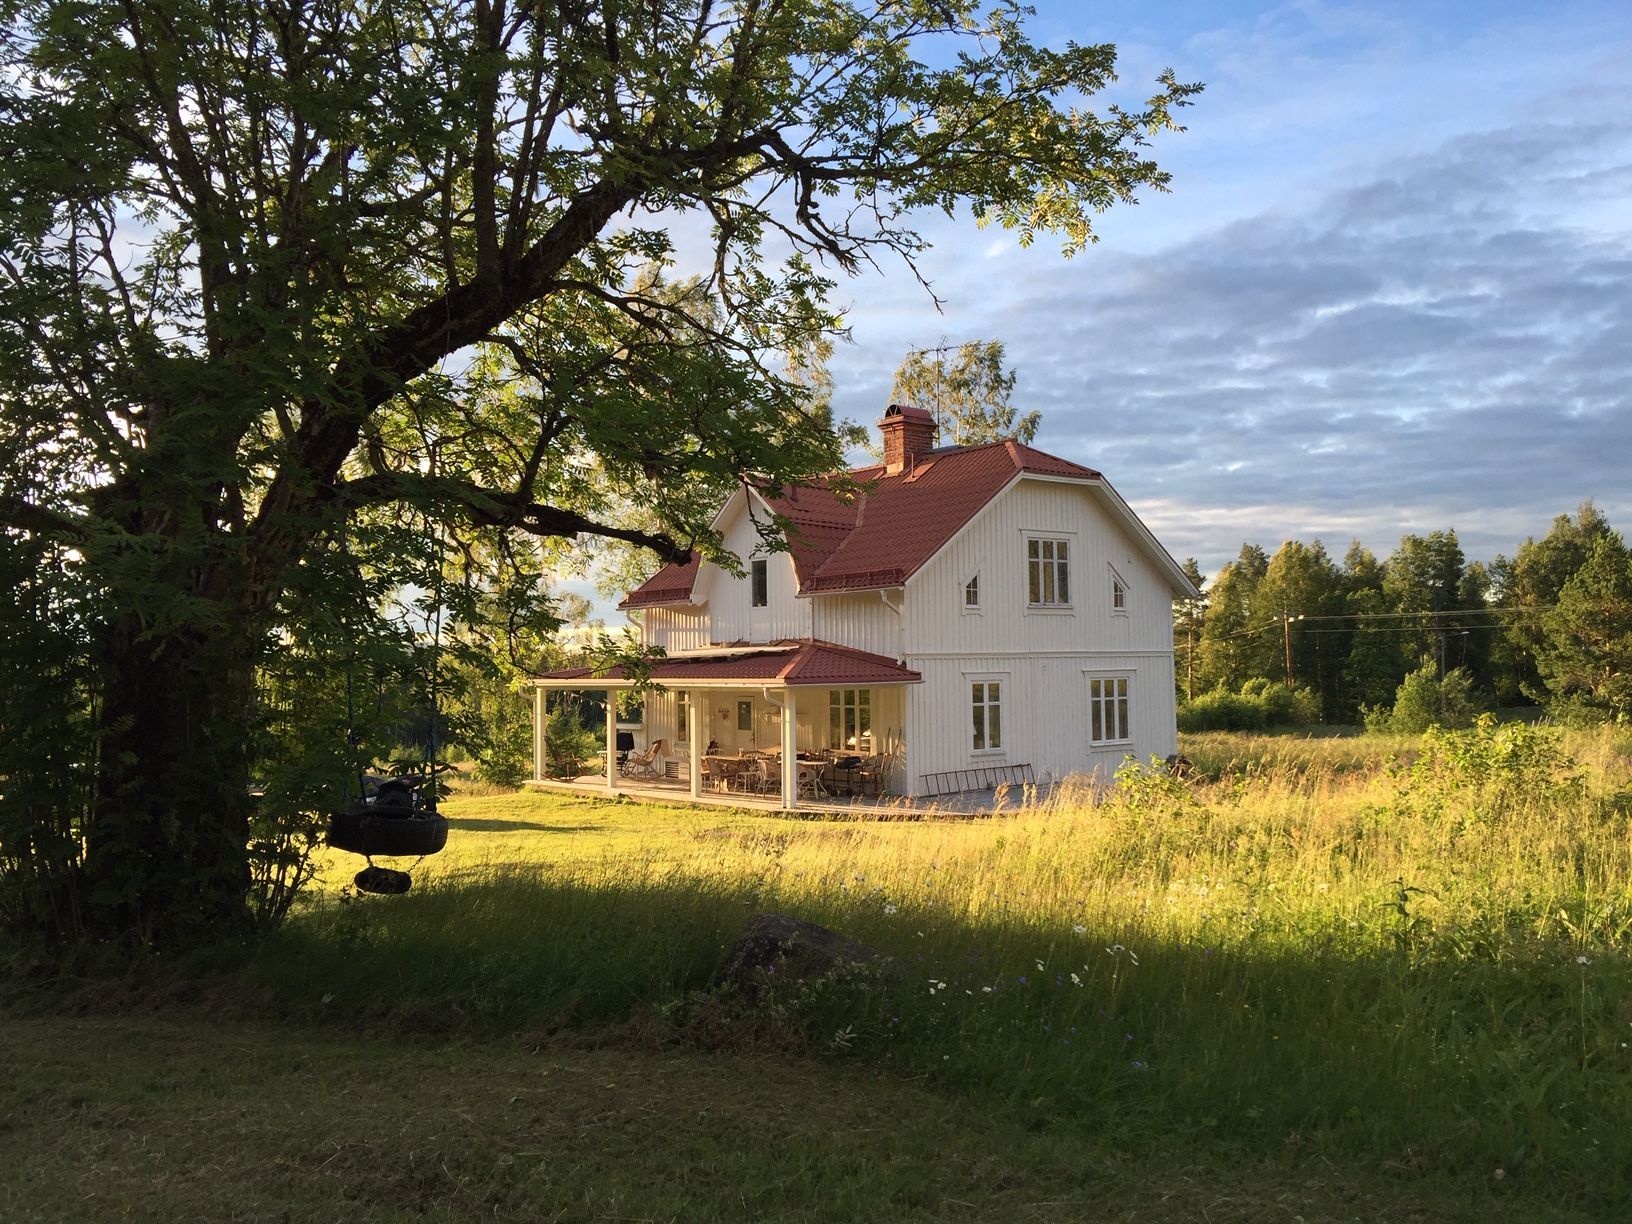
[(1425, 699), (1261, 703), (568, 744)]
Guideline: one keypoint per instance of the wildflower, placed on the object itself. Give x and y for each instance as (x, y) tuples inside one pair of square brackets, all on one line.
[(1075, 980), (1581, 960), (1078, 929), (986, 990), (890, 909), (1137, 1065), (1039, 966)]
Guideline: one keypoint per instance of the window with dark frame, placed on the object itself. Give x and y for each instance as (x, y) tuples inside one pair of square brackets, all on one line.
[(986, 709), (971, 592), (850, 720), (762, 584), (1108, 709), (1048, 573)]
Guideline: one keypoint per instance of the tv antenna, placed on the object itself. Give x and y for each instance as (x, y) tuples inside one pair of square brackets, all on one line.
[(940, 351)]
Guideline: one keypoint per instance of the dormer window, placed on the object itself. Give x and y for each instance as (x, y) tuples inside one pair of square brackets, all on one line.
[(1119, 593), (971, 594), (761, 579)]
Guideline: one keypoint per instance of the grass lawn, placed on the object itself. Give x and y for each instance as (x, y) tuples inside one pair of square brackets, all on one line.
[(1314, 983), (148, 1119)]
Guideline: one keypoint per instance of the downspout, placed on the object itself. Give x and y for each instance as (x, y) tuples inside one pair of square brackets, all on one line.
[(900, 628)]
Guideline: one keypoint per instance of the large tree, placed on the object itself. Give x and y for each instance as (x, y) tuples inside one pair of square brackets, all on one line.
[(1527, 586), (1235, 645), (1586, 657), (283, 278), (971, 395)]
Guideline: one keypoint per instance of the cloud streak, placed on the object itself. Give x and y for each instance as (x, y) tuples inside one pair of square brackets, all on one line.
[(1445, 342)]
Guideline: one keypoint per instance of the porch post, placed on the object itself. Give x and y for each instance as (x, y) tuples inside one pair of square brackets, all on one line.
[(694, 734), (790, 749), (538, 734), (611, 739)]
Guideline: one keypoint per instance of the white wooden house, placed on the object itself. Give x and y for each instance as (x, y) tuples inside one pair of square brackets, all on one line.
[(975, 611)]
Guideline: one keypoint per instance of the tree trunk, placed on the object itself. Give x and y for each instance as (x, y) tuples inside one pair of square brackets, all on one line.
[(166, 857)]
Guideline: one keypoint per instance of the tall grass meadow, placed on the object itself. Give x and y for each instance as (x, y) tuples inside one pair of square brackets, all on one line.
[(1413, 950)]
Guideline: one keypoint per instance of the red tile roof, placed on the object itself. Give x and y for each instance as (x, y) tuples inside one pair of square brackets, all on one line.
[(670, 585), (882, 536), (794, 662)]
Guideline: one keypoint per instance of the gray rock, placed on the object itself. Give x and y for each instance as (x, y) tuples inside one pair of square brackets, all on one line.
[(777, 948)]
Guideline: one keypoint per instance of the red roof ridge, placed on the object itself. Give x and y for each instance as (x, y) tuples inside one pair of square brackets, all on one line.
[(897, 522)]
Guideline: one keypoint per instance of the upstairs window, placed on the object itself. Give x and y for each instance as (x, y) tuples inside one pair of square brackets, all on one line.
[(971, 593), (1048, 573), (761, 583), (1119, 593)]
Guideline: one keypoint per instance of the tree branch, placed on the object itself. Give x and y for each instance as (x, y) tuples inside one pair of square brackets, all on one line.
[(495, 508)]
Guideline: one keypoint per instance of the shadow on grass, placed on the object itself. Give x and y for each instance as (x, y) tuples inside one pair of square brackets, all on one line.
[(475, 824), (1344, 1043)]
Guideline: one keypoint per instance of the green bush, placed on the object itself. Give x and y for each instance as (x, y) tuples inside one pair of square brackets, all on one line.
[(1260, 704), (568, 744), (1425, 699)]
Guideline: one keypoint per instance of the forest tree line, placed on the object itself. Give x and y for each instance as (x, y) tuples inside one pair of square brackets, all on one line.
[(1329, 640)]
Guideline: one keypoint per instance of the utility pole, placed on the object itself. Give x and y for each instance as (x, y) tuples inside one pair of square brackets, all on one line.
[(1286, 631)]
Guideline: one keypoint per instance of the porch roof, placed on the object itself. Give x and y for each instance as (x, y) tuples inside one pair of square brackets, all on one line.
[(791, 663)]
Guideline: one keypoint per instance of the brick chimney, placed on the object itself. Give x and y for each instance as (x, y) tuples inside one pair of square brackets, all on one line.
[(908, 432)]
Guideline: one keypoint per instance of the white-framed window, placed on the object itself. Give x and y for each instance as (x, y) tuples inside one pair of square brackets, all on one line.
[(1108, 710), (1119, 591), (760, 577), (971, 594), (986, 713), (850, 720), (682, 717), (1048, 572)]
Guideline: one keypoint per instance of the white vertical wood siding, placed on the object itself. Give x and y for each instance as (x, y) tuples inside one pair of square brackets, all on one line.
[(1042, 658), (730, 599), (994, 545), (862, 620), (1044, 712), (675, 628)]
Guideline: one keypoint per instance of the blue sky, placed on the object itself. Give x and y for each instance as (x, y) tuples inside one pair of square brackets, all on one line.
[(1388, 293)]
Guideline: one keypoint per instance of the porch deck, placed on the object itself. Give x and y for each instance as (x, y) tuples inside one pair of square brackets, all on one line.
[(884, 807)]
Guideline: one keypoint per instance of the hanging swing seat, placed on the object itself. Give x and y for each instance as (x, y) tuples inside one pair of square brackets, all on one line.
[(386, 830)]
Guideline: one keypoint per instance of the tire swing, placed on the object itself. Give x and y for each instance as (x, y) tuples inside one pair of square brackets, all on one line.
[(392, 817)]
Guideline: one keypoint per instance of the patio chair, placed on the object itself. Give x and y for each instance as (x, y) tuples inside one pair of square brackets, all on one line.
[(648, 764), (810, 780), (767, 777), (872, 774), (716, 775)]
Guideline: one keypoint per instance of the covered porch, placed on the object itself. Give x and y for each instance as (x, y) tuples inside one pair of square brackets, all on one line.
[(781, 725)]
